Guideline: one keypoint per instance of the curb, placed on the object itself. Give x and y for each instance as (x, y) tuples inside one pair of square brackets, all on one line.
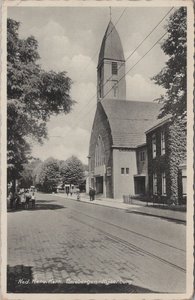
[(127, 209), (158, 216), (89, 202)]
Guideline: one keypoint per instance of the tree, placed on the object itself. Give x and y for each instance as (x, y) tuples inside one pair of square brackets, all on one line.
[(48, 175), (33, 96), (28, 173), (173, 76), (72, 171)]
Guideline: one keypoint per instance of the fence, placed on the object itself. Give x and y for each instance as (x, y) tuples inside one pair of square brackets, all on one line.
[(127, 199)]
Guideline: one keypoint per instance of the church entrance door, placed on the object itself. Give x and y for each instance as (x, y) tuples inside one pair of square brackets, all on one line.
[(139, 185), (99, 185)]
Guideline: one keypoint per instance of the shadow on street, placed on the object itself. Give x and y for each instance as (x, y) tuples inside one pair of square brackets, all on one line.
[(20, 280), (40, 205)]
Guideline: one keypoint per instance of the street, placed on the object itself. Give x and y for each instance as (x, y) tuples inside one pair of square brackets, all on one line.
[(67, 241)]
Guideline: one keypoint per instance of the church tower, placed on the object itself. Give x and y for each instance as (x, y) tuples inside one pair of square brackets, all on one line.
[(111, 81)]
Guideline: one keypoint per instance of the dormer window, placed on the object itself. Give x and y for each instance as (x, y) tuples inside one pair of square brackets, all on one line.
[(114, 68)]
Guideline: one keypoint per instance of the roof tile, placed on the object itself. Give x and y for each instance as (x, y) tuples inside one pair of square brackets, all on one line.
[(129, 120)]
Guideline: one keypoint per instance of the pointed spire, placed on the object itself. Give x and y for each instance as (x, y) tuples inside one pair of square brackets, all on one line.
[(110, 13), (111, 47)]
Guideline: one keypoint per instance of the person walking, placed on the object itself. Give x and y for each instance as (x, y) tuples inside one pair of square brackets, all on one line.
[(93, 194), (33, 199), (11, 199), (67, 191), (90, 194), (28, 197)]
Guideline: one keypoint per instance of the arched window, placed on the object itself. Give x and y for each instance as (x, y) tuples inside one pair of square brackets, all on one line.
[(99, 153)]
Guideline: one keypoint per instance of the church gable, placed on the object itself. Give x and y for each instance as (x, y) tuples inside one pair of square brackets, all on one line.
[(100, 130)]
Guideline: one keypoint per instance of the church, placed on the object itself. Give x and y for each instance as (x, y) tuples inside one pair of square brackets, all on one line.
[(117, 151)]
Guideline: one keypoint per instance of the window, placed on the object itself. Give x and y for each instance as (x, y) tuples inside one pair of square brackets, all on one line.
[(154, 184), (163, 184), (115, 88), (114, 68), (99, 153), (125, 171), (162, 142), (184, 185), (142, 155), (154, 146)]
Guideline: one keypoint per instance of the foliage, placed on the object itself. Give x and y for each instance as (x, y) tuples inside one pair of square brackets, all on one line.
[(177, 153), (28, 174), (173, 77), (48, 175), (72, 171), (33, 97)]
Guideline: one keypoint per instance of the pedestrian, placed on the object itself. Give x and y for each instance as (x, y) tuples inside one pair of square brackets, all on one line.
[(28, 197), (11, 199), (17, 200), (33, 200), (90, 194), (93, 194)]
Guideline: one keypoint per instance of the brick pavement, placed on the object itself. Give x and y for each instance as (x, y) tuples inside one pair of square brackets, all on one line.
[(58, 247)]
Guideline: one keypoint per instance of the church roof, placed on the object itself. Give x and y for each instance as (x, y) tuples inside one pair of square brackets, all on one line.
[(129, 120), (111, 47)]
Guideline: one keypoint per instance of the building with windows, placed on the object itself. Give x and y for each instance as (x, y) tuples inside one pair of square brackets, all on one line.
[(128, 153), (166, 151), (117, 151)]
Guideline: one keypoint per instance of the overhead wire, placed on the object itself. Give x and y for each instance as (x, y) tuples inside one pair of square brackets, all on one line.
[(137, 62), (105, 39), (140, 44), (126, 60), (125, 74), (128, 71), (91, 98)]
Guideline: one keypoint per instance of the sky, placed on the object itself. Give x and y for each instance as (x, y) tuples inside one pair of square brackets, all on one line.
[(69, 40)]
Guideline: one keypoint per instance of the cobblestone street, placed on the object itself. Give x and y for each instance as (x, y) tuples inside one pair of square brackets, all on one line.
[(64, 241)]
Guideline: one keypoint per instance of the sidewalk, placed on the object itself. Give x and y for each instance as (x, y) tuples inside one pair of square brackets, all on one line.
[(137, 207)]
